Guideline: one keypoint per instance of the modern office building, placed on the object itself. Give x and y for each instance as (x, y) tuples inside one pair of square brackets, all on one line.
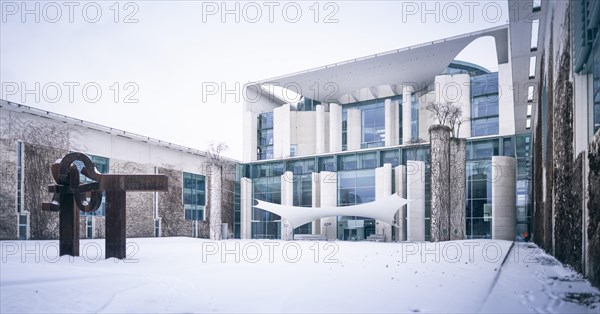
[(356, 124), (199, 198)]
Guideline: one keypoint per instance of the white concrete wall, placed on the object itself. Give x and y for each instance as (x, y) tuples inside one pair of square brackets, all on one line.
[(354, 128), (287, 198), (250, 136), (400, 179), (320, 129), (456, 89), (426, 118), (582, 113), (304, 134), (383, 188), (335, 128), (506, 107), (503, 198), (246, 201), (281, 131), (415, 192), (328, 182)]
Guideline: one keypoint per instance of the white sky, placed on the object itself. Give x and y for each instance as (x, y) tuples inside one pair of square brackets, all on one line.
[(170, 52)]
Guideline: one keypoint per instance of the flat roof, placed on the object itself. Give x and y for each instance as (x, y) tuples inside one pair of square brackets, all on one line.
[(414, 65)]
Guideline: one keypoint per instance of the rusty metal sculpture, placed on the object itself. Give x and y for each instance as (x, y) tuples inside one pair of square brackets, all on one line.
[(70, 196)]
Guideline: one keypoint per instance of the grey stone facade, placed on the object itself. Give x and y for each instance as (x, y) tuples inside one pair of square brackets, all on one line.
[(46, 137)]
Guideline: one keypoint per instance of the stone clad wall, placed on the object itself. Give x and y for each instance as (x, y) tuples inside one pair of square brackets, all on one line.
[(36, 179), (593, 205), (567, 205), (170, 207), (46, 137), (8, 189)]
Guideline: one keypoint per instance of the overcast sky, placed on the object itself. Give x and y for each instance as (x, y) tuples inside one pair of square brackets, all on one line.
[(150, 70)]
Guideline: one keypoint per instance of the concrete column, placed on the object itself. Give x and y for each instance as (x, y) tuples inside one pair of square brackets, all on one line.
[(406, 114), (415, 192), (401, 191), (440, 182), (353, 129), (503, 198), (316, 201), (328, 182), (287, 198), (246, 201), (383, 188), (506, 115), (582, 113), (250, 136), (335, 128), (391, 128), (320, 129), (458, 195), (281, 131)]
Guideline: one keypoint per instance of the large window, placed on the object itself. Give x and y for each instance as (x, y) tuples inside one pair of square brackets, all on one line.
[(372, 121), (265, 136), (479, 187), (302, 186), (484, 105), (266, 225), (194, 196), (414, 123)]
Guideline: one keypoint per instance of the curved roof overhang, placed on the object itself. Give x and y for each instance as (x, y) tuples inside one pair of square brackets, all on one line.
[(416, 65), (383, 210)]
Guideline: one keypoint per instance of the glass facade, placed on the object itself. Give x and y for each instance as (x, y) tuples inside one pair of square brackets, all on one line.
[(194, 196), (484, 104), (307, 104), (266, 186), (414, 123), (23, 226), (356, 185), (302, 187), (265, 136), (479, 187), (524, 186), (372, 121)]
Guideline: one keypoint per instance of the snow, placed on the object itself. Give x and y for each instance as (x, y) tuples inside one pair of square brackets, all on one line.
[(196, 275)]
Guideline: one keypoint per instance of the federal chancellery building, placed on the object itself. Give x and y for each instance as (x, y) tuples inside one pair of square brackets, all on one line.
[(357, 121), (359, 132)]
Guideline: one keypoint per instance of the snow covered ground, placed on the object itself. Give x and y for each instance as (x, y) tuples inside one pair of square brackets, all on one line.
[(195, 275)]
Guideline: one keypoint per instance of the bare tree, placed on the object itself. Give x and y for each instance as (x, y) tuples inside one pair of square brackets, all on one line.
[(449, 114)]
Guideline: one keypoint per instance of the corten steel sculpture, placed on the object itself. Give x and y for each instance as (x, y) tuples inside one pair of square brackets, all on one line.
[(70, 196)]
